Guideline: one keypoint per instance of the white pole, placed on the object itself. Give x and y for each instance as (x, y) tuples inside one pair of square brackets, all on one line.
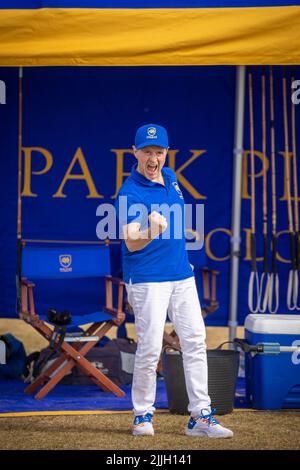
[(236, 198)]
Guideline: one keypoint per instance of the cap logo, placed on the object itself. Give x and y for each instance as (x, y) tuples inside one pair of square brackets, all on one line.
[(151, 131)]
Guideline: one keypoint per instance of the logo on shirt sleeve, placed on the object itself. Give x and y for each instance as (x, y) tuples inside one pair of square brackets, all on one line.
[(177, 189)]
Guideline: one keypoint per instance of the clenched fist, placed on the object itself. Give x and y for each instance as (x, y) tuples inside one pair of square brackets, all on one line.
[(158, 224)]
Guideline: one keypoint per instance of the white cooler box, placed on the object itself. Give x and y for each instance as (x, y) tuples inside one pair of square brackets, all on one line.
[(273, 377)]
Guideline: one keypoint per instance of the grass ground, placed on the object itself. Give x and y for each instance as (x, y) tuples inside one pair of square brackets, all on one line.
[(252, 431)]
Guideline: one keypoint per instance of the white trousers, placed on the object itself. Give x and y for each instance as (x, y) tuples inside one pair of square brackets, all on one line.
[(151, 301)]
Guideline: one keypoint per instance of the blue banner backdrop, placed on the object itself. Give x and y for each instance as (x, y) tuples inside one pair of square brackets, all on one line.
[(78, 129)]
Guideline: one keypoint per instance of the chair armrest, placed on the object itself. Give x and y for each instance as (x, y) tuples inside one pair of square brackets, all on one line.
[(27, 300), (27, 283), (115, 280), (208, 270), (118, 317)]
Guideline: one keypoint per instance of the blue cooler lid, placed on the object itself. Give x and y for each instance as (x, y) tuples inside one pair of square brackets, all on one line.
[(269, 324)]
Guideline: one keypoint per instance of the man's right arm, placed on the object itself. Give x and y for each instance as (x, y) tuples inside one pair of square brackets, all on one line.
[(136, 239)]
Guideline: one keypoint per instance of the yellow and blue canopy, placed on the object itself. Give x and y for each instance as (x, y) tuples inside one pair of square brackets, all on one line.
[(149, 32)]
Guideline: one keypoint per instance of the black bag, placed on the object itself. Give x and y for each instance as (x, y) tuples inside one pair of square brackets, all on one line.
[(115, 360), (15, 358)]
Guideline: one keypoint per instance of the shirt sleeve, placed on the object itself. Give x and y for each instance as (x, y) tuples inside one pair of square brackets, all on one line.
[(129, 209)]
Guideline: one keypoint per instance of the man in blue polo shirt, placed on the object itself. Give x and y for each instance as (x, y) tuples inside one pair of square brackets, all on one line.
[(160, 280)]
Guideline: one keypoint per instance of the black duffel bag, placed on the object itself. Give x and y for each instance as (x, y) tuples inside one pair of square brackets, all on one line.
[(115, 360)]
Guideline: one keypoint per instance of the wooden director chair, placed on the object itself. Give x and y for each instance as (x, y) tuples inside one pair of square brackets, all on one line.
[(67, 275), (209, 302)]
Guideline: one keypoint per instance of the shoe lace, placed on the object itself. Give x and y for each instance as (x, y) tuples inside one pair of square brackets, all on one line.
[(208, 418), (148, 417), (143, 418)]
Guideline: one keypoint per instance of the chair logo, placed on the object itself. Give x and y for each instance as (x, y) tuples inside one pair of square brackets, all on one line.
[(65, 262), (177, 188)]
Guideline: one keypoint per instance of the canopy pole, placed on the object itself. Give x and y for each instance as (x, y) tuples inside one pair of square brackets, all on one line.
[(19, 207), (236, 198), (20, 136)]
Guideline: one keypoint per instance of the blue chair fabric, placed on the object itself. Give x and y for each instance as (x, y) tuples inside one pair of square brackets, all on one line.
[(65, 276)]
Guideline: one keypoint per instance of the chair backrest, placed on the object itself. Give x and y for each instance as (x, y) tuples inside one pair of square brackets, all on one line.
[(64, 261)]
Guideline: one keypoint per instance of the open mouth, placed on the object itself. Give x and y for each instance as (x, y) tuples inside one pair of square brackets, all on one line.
[(152, 167)]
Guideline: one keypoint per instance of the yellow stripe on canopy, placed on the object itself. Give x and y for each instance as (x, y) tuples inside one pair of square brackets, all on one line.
[(193, 36)]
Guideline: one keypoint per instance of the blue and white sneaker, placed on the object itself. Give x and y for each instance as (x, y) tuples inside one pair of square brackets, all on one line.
[(207, 425), (142, 425)]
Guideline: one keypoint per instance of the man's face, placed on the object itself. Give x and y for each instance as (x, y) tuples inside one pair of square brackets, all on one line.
[(150, 161)]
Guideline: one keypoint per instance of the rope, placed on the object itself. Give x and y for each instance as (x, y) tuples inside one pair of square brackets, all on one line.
[(265, 277), (273, 293), (254, 279), (292, 284), (296, 203)]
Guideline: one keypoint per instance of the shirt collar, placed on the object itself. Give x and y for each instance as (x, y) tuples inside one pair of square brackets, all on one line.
[(141, 178)]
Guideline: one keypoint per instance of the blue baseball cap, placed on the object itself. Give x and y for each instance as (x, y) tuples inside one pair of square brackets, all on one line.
[(151, 134)]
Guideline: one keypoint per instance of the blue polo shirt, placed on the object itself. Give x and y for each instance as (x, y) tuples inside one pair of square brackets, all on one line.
[(164, 258)]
